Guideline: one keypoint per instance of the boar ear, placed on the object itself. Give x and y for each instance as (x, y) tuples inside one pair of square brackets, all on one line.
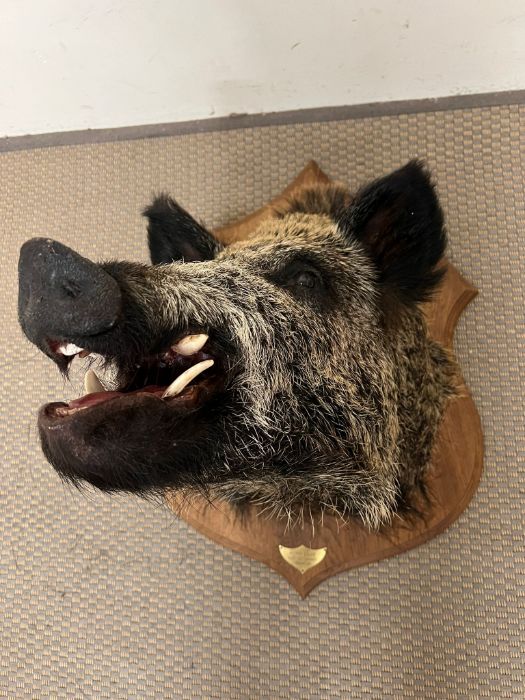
[(175, 235), (400, 223)]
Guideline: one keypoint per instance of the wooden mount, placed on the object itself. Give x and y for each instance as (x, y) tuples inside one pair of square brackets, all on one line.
[(311, 553)]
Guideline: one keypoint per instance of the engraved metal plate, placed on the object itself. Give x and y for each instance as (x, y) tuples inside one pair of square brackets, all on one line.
[(302, 558)]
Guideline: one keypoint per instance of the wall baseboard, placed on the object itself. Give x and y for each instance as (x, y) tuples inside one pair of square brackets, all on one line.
[(245, 121)]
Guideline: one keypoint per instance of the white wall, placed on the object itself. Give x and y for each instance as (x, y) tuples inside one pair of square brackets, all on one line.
[(76, 64)]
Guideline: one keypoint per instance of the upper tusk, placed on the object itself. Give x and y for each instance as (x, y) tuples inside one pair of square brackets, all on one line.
[(190, 344)]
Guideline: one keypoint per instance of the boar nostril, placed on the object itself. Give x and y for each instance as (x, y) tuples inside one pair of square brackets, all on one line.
[(71, 289)]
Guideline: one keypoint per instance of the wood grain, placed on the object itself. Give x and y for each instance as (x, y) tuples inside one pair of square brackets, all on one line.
[(453, 479), (239, 230)]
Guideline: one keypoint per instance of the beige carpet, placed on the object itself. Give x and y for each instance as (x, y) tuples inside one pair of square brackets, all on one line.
[(111, 598)]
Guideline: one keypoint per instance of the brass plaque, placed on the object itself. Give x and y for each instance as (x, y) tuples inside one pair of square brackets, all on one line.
[(302, 558)]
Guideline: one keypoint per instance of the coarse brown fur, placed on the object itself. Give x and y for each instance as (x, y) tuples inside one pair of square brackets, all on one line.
[(329, 393)]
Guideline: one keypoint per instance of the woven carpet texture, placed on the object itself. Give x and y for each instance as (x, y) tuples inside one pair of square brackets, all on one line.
[(110, 597)]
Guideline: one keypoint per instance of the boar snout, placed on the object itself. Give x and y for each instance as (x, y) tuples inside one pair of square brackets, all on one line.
[(62, 294)]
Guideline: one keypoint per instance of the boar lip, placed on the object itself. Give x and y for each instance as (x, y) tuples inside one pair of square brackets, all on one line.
[(53, 415)]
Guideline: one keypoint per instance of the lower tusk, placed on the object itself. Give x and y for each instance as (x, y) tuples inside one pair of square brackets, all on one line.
[(92, 383), (186, 377)]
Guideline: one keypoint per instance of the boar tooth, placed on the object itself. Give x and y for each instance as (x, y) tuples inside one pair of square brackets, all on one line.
[(69, 349), (191, 344), (92, 383), (185, 378)]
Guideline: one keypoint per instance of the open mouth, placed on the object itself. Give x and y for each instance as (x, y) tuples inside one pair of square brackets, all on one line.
[(183, 376)]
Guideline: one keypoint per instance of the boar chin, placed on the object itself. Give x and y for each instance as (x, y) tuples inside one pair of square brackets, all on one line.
[(137, 443)]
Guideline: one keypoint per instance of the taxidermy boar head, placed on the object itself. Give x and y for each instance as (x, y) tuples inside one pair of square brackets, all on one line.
[(291, 370)]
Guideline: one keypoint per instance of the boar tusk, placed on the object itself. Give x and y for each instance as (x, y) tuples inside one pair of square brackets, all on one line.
[(185, 378)]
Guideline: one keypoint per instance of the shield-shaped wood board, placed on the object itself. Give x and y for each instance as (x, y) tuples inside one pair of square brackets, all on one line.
[(308, 554)]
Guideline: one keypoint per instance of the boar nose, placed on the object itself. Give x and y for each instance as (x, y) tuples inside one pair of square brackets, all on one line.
[(62, 294)]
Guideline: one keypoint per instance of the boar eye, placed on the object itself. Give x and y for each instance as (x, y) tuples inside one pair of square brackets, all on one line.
[(299, 279), (304, 279)]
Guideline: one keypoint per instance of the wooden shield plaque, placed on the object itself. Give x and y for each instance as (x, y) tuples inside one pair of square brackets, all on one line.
[(308, 554)]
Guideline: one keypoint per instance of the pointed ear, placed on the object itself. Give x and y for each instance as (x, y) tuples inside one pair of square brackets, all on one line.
[(400, 223), (174, 235)]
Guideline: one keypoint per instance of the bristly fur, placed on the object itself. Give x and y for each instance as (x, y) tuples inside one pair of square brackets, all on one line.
[(334, 391), (332, 199)]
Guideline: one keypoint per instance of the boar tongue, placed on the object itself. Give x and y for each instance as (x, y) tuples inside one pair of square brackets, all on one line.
[(101, 396)]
